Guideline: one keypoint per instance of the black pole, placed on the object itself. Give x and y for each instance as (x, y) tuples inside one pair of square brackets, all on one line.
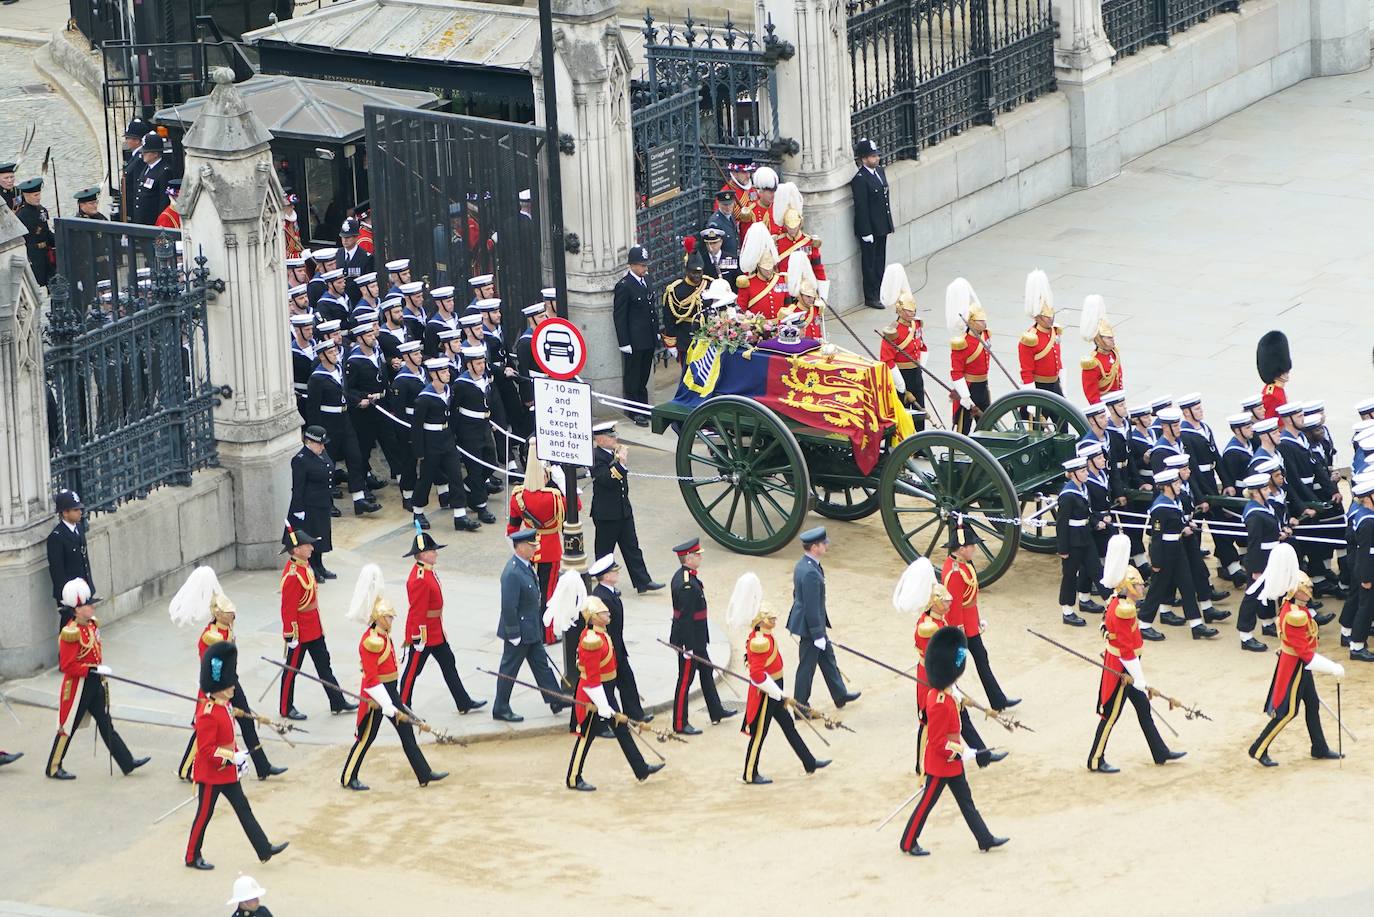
[(551, 156)]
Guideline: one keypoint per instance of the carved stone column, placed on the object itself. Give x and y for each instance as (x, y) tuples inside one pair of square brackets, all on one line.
[(1082, 55)]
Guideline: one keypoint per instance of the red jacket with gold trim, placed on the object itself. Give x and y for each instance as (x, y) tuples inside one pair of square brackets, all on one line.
[(961, 581), (944, 745), (762, 297), (1102, 373), (1297, 645), (595, 666), (215, 745), (300, 603), (425, 619), (1039, 353), (764, 661)]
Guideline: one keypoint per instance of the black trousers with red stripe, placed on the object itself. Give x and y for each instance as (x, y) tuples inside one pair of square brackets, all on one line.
[(958, 785), (443, 656), (319, 655), (208, 794), (686, 668)]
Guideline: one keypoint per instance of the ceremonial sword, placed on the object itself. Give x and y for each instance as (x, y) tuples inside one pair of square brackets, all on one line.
[(279, 727)]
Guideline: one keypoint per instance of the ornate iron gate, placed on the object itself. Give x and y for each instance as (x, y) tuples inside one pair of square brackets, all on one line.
[(1133, 24), (128, 367), (446, 194), (706, 97)]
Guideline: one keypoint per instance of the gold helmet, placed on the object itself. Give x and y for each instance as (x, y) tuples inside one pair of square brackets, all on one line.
[(807, 287), (767, 260), (1302, 589), (381, 608), (906, 302), (939, 599), (593, 608), (220, 605), (763, 614)]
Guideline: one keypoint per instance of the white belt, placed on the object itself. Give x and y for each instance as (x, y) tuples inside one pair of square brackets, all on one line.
[(1171, 537), (299, 386), (1122, 464), (1268, 545), (1078, 522), (480, 415), (410, 410), (1205, 467), (436, 427), (1307, 480), (1147, 473), (331, 409)]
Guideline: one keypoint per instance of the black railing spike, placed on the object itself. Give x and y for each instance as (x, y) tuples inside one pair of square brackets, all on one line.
[(650, 32), (689, 34)]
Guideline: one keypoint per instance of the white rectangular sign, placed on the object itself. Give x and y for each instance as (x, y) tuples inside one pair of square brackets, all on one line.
[(563, 421)]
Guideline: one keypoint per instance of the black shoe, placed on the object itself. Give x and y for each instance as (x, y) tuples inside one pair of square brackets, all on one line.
[(508, 717), (336, 493), (485, 517), (472, 705), (62, 775), (641, 421), (1104, 768), (558, 707), (1172, 619), (421, 521), (725, 714), (136, 764), (995, 842), (9, 757), (1239, 580), (494, 486), (1269, 630), (583, 786), (1327, 755), (652, 769), (1314, 604), (356, 785), (1091, 607), (1073, 620), (443, 501), (874, 305), (294, 714), (1325, 618), (650, 586), (1362, 655), (1254, 645), (346, 708), (434, 777), (199, 863), (1202, 632), (1345, 639), (334, 511), (406, 504), (689, 730), (1008, 703), (918, 851), (1267, 761), (364, 506), (1211, 615), (1218, 594), (323, 573), (760, 780), (466, 524), (373, 483), (848, 698), (1173, 756), (272, 771), (274, 850), (820, 763), (1149, 633), (987, 756)]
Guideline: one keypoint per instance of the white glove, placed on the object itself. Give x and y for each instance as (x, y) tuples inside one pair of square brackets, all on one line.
[(982, 625), (292, 643), (1325, 666), (515, 642), (961, 386), (820, 643), (898, 381), (240, 758), (103, 670), (968, 754), (598, 697), (868, 239), (672, 352), (924, 358), (242, 768), (624, 348), (770, 687), (1136, 671), (548, 618), (378, 694), (299, 515), (1027, 386), (957, 694)]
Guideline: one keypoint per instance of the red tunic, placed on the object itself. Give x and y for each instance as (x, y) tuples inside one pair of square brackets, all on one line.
[(547, 507), (969, 358), (805, 244), (902, 345), (215, 745), (926, 626), (762, 297), (755, 212), (1039, 353), (291, 232), (764, 661), (1122, 631), (961, 582), (78, 651), (1274, 398), (943, 744), (745, 198), (595, 666), (378, 658), (1102, 373), (168, 218), (213, 633), (365, 238), (425, 619), (300, 603), (1297, 645)]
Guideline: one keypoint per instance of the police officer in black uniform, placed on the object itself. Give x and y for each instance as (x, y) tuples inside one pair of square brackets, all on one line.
[(133, 165), (612, 513), (67, 556), (150, 192), (433, 441), (636, 332), (39, 241), (312, 480), (328, 409), (872, 217), (353, 258)]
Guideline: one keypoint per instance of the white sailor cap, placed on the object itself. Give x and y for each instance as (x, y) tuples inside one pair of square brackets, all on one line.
[(1167, 476), (1312, 420), (1249, 404), (441, 293), (1269, 465), (409, 347), (1139, 410), (1360, 426), (552, 293), (524, 195), (1366, 442), (449, 334), (329, 327), (298, 290), (394, 301), (1362, 488), (1239, 420), (329, 275), (145, 272), (400, 264), (470, 320), (303, 320), (1076, 463), (1160, 403), (324, 254), (487, 305), (295, 262), (325, 345), (1288, 409), (1088, 449), (364, 315), (480, 280), (603, 564), (475, 352), (1093, 410), (1312, 407), (1192, 399), (359, 330), (307, 254), (369, 277), (1169, 415), (1114, 397), (606, 426), (410, 289), (1267, 425), (533, 310), (1251, 481), (434, 364), (1175, 461), (1365, 407)]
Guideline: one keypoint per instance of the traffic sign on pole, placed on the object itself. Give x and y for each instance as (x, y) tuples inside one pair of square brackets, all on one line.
[(558, 348)]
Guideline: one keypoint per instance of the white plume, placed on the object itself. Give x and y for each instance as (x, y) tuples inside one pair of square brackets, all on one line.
[(1280, 574), (1037, 291), (366, 593), (745, 601), (1094, 311), (1118, 556), (912, 595), (76, 592), (568, 599), (959, 298), (191, 604), (894, 284)]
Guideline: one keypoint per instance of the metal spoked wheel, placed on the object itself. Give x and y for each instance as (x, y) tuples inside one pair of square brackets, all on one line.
[(1037, 414), (760, 501), (935, 474), (845, 500)]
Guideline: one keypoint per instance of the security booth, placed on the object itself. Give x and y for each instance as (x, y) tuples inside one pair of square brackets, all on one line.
[(318, 142)]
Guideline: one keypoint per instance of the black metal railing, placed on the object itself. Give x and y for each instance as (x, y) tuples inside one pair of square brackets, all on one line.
[(101, 257), (924, 70), (1133, 24), (100, 20), (130, 399)]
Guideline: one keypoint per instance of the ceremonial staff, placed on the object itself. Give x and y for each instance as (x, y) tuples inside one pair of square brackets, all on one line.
[(279, 727), (1191, 712), (663, 735), (807, 712), (1006, 720), (404, 713)]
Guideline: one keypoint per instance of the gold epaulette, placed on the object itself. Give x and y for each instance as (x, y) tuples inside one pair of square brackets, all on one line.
[(1030, 338), (1296, 617), (759, 644), (958, 343), (591, 639), (211, 637), (206, 710), (889, 331), (1125, 609), (71, 633), (1089, 362), (927, 627), (742, 282), (374, 642)]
